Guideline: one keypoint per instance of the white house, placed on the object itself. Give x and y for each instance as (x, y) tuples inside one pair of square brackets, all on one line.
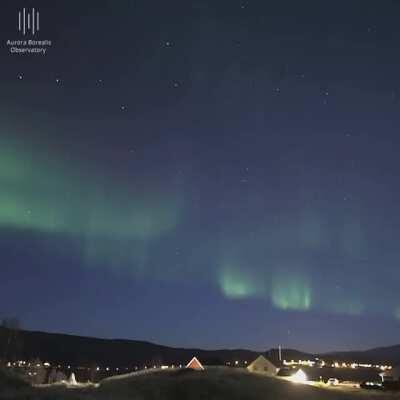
[(262, 365)]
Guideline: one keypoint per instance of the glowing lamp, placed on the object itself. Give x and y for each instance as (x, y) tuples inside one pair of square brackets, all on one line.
[(299, 377)]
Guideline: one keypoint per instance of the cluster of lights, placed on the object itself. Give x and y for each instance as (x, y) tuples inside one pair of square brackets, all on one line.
[(373, 384), (355, 365), (293, 363), (322, 363), (22, 363), (236, 363), (135, 368)]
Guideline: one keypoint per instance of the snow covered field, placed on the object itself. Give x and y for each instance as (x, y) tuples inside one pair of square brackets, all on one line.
[(213, 383)]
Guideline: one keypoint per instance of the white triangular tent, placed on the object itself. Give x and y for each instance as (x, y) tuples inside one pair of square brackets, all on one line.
[(72, 380), (194, 363)]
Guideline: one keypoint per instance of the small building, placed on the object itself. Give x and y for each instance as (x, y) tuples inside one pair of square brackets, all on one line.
[(195, 364), (391, 375), (262, 365)]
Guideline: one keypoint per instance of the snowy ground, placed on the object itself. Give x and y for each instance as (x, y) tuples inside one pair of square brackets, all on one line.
[(67, 385), (211, 384)]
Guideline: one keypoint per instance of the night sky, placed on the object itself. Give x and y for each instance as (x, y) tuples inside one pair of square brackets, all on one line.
[(204, 173)]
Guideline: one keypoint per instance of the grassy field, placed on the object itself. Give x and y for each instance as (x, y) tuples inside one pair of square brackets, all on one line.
[(212, 384)]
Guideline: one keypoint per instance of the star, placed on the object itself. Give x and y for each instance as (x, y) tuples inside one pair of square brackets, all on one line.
[(168, 44), (58, 80), (20, 77), (176, 84), (123, 107)]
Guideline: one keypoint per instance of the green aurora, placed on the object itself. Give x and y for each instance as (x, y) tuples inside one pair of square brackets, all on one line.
[(291, 292), (54, 197), (116, 223)]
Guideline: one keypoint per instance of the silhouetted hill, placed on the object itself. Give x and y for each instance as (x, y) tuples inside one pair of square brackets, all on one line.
[(80, 350), (388, 354)]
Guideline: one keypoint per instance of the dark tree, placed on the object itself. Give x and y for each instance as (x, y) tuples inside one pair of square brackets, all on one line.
[(13, 341), (93, 372)]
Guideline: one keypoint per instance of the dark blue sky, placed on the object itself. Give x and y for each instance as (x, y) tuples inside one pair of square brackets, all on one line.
[(201, 173)]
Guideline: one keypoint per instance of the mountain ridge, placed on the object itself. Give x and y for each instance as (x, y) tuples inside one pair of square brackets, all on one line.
[(84, 350)]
